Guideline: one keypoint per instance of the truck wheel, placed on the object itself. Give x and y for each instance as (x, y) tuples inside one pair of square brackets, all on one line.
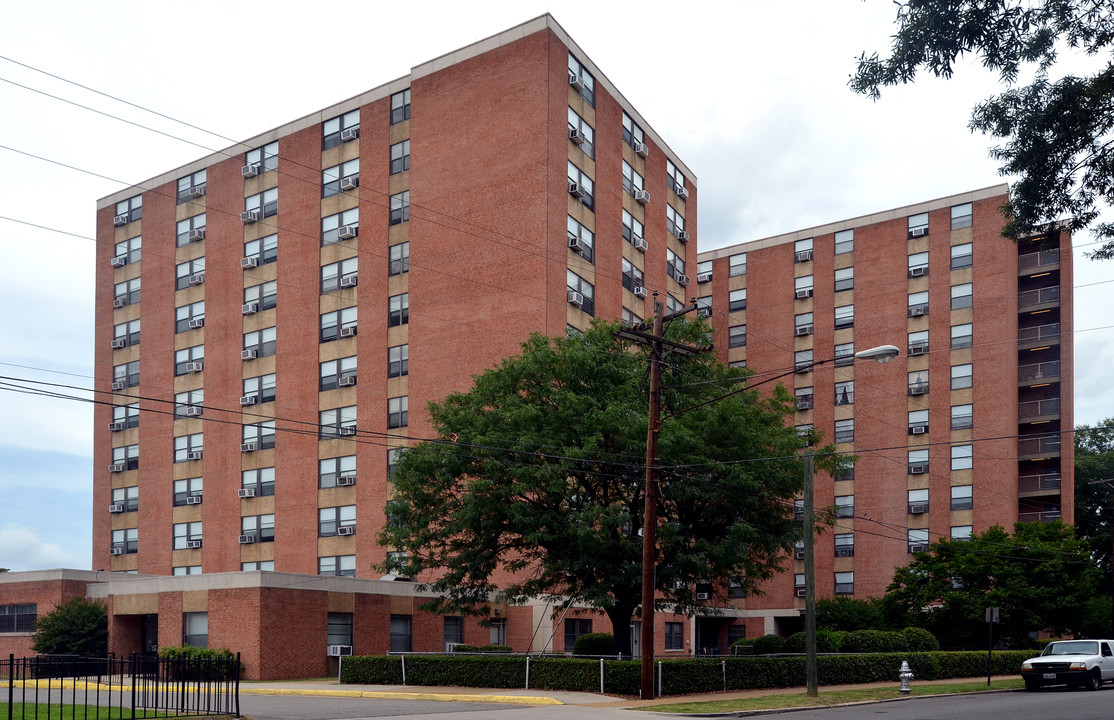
[(1094, 680), (1032, 685)]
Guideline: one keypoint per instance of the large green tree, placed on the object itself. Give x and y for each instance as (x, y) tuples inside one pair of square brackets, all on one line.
[(77, 627), (536, 485), (1040, 578), (1058, 130), (1094, 503)]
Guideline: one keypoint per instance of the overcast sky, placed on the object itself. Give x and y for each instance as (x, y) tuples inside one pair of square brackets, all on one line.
[(752, 95)]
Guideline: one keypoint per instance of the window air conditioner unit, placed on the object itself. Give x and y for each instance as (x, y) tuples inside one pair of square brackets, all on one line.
[(918, 429), (705, 312), (704, 277), (346, 480), (195, 323), (346, 381), (119, 343), (804, 367), (575, 244), (803, 330), (576, 190), (350, 183), (340, 650), (197, 191), (119, 385), (641, 196), (920, 547), (349, 331), (118, 261), (245, 493), (703, 596), (250, 170), (198, 234), (802, 256), (194, 411), (576, 136), (683, 279), (346, 530), (918, 271), (918, 311), (249, 354), (918, 348), (639, 243), (249, 216), (349, 134), (249, 308), (249, 399), (193, 500), (347, 232), (799, 554), (249, 447), (576, 82), (249, 262), (116, 551), (575, 298), (800, 592), (349, 281), (116, 425), (845, 552), (121, 220), (247, 539), (116, 508), (116, 468), (683, 236), (639, 291), (802, 294), (682, 191), (195, 367), (640, 148), (193, 544), (920, 232), (919, 469), (804, 404), (197, 278), (346, 430), (918, 509), (119, 302), (918, 390)]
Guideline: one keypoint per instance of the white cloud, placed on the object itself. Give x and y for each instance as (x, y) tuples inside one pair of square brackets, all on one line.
[(24, 548)]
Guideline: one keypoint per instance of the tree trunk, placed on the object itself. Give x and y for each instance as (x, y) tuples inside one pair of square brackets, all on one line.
[(620, 617)]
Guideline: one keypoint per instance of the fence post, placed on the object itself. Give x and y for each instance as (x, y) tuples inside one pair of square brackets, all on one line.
[(11, 684), (404, 670), (527, 672), (601, 676), (724, 663), (661, 690), (236, 687)]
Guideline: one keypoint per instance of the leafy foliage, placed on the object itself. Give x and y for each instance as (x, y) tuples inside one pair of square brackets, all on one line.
[(920, 640), (1058, 132), (769, 644), (827, 641), (594, 644), (845, 613), (536, 485), (1094, 504), (76, 627), (1040, 578)]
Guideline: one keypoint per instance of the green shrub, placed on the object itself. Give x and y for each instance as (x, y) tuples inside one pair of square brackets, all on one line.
[(76, 627), (199, 663), (462, 648), (594, 644), (769, 644), (826, 642), (873, 641), (920, 640)]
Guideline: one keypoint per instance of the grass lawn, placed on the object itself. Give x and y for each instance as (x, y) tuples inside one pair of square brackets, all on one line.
[(833, 697)]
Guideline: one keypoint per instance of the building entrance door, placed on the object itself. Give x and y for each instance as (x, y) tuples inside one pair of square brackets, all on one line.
[(149, 634)]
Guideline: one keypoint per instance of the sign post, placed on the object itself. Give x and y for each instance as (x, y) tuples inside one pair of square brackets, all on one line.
[(991, 618)]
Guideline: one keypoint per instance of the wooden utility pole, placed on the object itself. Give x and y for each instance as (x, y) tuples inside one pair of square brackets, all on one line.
[(807, 516), (650, 515)]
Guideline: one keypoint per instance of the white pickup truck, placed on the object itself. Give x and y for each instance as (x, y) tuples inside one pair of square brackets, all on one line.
[(1076, 663)]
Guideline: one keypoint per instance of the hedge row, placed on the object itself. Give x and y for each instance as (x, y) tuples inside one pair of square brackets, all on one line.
[(911, 639), (681, 676)]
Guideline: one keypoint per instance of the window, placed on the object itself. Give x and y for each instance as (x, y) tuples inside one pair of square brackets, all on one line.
[(260, 527), (191, 187), (331, 520), (581, 240), (261, 433), (260, 389), (844, 241), (398, 310), (261, 342), (804, 397), (704, 306), (961, 376), (190, 230), (128, 456), (400, 157), (186, 535), (675, 223), (126, 375), (961, 532), (737, 300), (195, 629), (393, 455), (962, 417), (400, 106), (341, 226), (333, 371), (805, 432), (961, 216), (803, 286), (129, 210), (802, 324), (338, 630), (845, 545), (340, 129), (674, 636), (338, 565), (844, 583), (189, 273), (262, 205), (802, 360), (845, 506), (799, 581), (737, 265), (918, 342), (962, 457), (633, 231), (398, 361), (632, 275), (846, 472), (961, 296), (342, 274), (128, 251), (574, 629), (581, 134), (963, 497), (127, 541), (845, 392), (844, 279), (737, 336), (264, 159), (398, 412), (399, 259), (337, 422), (582, 81), (126, 497), (844, 316), (845, 430), (189, 317), (338, 324), (961, 336), (187, 570), (918, 304), (262, 251), (262, 297), (183, 401), (338, 178), (188, 447), (185, 489), (845, 354), (918, 422), (400, 208), (189, 360), (630, 318), (676, 179), (674, 265), (267, 565), (918, 264), (401, 633), (581, 187), (261, 480), (453, 631), (580, 291), (632, 133), (918, 540), (329, 469), (704, 271), (126, 293), (126, 416), (918, 225), (918, 461), (918, 501), (125, 334), (802, 250), (961, 256)]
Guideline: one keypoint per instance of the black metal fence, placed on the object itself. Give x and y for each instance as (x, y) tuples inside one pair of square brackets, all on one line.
[(139, 686)]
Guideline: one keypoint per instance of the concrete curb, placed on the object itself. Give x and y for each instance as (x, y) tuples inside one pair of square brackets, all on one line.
[(393, 695)]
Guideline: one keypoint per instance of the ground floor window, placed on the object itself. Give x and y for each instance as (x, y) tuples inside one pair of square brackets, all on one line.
[(401, 633), (17, 618), (195, 629), (674, 636), (574, 628), (498, 634)]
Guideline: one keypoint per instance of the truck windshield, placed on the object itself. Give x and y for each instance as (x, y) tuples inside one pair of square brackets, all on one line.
[(1072, 648)]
